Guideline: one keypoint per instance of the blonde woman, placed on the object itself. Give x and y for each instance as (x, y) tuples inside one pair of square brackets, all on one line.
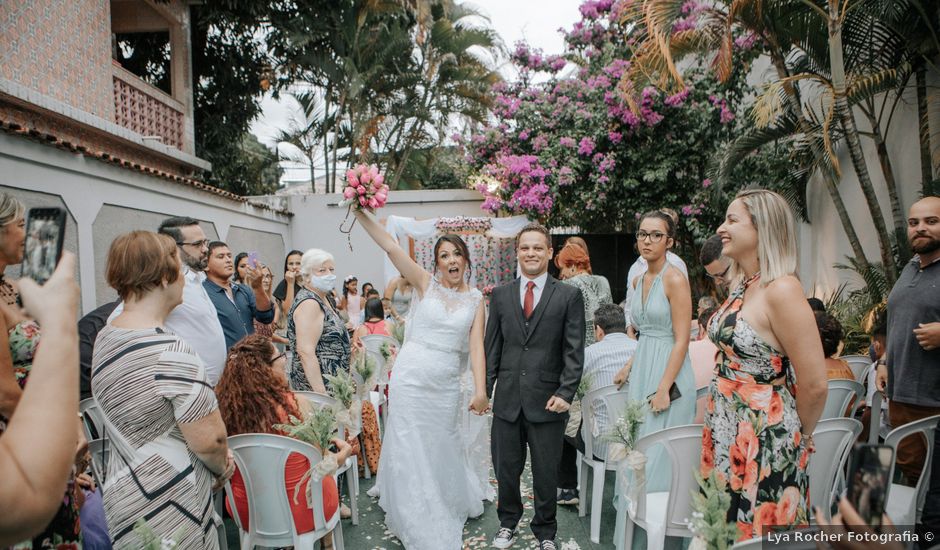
[(758, 429)]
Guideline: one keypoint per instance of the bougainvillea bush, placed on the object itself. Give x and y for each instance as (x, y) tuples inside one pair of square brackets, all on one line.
[(566, 148)]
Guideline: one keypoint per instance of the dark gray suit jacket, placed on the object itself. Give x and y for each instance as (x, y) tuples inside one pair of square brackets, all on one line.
[(531, 361)]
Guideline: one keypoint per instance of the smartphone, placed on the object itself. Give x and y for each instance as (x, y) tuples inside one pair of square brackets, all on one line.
[(45, 233), (869, 478), (253, 260)]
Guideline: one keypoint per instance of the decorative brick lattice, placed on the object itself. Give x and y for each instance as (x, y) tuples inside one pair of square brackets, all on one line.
[(146, 115)]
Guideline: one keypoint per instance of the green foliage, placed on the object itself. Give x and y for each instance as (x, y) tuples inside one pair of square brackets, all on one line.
[(365, 367), (398, 333), (626, 430), (584, 386), (149, 540), (250, 169), (710, 506), (853, 307), (317, 428), (342, 387)]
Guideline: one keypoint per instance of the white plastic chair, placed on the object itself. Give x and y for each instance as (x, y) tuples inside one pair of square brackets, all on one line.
[(261, 461), (905, 504), (666, 513), (597, 468), (92, 419), (351, 467), (100, 454), (373, 342), (381, 381), (834, 438), (840, 397), (859, 365)]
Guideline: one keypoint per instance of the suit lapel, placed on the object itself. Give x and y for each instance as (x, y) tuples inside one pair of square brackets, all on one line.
[(540, 308), (516, 305)]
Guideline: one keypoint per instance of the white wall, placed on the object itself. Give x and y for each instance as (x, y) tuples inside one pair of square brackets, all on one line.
[(105, 201), (317, 219)]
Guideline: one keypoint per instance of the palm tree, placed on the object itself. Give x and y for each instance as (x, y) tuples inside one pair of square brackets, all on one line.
[(848, 50)]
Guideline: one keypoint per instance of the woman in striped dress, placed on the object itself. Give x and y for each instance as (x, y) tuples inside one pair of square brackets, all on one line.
[(168, 442)]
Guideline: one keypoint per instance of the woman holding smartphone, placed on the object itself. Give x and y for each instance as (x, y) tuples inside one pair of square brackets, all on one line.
[(19, 342)]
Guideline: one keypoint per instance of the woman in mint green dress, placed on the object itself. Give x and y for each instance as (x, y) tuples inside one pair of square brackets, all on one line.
[(661, 314)]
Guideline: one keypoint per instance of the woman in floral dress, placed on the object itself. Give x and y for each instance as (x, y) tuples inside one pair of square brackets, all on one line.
[(758, 427)]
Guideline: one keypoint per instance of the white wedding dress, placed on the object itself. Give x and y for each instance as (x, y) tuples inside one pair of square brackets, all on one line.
[(434, 469)]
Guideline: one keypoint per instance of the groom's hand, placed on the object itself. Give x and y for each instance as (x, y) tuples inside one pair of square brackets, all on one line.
[(557, 405)]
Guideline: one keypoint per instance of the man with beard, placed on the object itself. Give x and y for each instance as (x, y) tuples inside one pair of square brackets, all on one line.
[(911, 367), (195, 320)]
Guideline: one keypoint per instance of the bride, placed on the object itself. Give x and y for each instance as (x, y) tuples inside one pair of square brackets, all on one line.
[(426, 483)]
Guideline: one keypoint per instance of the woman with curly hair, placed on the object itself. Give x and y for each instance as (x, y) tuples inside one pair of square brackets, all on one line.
[(253, 397)]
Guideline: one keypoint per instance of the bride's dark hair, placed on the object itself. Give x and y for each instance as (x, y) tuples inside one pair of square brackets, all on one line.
[(458, 244)]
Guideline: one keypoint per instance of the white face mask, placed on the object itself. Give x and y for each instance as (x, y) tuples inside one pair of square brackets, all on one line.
[(323, 282)]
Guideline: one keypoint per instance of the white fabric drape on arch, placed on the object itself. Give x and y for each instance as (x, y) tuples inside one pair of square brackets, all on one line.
[(401, 228)]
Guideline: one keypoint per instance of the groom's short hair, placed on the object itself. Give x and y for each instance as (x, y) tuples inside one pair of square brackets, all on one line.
[(610, 318), (538, 228)]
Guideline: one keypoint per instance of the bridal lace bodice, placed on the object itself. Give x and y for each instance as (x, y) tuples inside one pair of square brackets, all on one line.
[(443, 317)]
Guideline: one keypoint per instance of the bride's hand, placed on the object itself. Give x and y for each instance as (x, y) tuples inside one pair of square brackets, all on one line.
[(479, 404)]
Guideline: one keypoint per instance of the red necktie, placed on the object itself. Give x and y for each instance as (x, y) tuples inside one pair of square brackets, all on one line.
[(528, 304)]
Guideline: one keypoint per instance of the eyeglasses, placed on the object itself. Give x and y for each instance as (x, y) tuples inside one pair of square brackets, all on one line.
[(720, 275), (197, 244), (276, 357), (654, 237)]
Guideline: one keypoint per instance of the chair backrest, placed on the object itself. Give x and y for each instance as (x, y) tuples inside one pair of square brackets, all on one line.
[(92, 419), (100, 451), (683, 447), (859, 365), (589, 404), (874, 422), (833, 438), (382, 365), (373, 342), (261, 461), (926, 427), (840, 396)]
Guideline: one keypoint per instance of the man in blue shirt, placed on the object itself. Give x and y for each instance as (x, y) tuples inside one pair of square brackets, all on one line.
[(237, 305)]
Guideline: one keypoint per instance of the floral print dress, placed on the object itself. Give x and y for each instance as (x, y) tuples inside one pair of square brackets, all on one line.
[(752, 437), (64, 530)]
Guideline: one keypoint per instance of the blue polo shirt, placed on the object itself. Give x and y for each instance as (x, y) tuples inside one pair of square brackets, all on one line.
[(236, 317)]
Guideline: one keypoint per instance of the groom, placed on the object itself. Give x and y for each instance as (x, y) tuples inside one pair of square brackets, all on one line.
[(534, 355)]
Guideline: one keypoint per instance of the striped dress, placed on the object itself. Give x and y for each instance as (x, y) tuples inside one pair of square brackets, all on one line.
[(146, 382)]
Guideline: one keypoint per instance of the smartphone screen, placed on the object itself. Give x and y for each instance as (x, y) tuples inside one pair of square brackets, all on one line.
[(253, 260), (868, 481), (45, 231)]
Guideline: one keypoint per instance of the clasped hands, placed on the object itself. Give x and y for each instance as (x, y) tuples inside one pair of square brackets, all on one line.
[(480, 405)]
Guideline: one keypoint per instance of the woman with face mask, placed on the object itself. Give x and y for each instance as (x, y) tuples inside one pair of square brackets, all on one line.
[(316, 333)]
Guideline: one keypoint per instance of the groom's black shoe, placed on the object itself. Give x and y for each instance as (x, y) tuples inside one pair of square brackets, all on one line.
[(547, 545), (504, 537)]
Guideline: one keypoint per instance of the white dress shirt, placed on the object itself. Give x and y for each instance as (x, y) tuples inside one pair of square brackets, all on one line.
[(638, 268), (536, 290), (197, 323)]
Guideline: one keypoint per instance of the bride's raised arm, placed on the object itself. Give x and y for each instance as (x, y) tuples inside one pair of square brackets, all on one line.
[(409, 269)]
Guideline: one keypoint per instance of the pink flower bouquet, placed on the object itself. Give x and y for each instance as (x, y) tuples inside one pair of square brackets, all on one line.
[(365, 188)]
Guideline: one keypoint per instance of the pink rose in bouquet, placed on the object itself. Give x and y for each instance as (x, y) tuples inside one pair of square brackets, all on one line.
[(365, 188)]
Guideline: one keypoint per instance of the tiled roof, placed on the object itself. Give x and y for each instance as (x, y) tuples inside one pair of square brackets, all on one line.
[(50, 139)]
